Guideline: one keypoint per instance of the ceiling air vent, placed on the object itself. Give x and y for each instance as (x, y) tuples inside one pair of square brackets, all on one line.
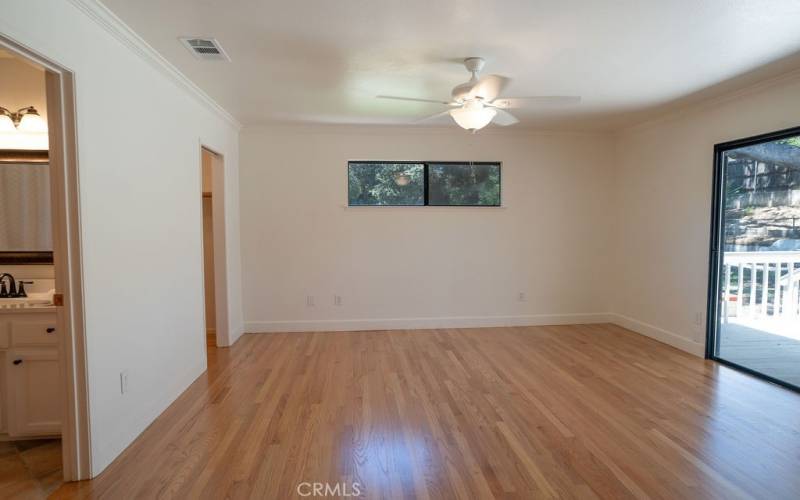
[(207, 49)]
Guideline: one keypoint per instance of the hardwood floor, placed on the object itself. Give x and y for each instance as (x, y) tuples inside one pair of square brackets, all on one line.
[(590, 411)]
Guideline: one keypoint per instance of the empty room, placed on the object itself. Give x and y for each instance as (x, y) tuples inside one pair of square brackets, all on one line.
[(438, 250)]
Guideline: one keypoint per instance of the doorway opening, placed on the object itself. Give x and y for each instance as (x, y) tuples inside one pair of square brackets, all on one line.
[(30, 409), (43, 384), (212, 167), (754, 297), (208, 247)]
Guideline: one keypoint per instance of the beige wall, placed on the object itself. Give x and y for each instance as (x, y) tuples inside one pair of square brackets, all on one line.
[(662, 189), (615, 224), (207, 166), (422, 266), (21, 85)]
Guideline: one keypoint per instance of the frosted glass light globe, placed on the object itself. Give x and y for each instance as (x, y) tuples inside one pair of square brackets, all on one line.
[(473, 115), (32, 123)]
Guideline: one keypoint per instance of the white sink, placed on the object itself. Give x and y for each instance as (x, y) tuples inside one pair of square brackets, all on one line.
[(22, 303)]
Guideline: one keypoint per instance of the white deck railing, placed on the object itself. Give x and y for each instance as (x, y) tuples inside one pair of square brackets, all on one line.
[(761, 284)]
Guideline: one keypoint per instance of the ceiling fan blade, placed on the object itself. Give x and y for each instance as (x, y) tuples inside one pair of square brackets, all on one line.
[(488, 87), (540, 100), (433, 117), (414, 99), (504, 118)]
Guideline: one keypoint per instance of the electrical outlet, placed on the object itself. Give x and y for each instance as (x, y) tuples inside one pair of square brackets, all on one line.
[(123, 382), (337, 300), (521, 297), (310, 301)]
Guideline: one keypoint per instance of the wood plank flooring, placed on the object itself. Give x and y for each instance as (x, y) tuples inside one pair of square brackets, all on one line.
[(589, 411)]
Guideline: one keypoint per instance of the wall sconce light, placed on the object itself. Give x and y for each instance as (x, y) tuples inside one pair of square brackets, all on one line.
[(23, 129), (25, 120)]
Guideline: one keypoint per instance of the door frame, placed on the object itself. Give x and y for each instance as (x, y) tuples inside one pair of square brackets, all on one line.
[(716, 251), (222, 325), (67, 260)]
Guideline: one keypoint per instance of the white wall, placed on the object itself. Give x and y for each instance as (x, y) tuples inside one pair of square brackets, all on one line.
[(422, 266), (139, 135), (663, 176)]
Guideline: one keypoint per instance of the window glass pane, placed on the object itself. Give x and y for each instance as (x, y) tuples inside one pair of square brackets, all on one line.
[(451, 184), (386, 184), (759, 300)]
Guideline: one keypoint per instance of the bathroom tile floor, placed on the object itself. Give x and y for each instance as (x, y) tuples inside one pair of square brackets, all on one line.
[(30, 469)]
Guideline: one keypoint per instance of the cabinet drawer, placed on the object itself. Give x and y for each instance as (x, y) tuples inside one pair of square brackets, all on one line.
[(33, 332)]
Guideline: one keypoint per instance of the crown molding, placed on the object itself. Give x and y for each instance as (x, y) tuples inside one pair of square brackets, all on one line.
[(406, 129), (687, 110), (109, 21)]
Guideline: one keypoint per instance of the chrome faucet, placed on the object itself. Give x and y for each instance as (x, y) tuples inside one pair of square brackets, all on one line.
[(11, 291)]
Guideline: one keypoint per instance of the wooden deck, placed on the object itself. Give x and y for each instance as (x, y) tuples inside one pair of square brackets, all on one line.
[(774, 355)]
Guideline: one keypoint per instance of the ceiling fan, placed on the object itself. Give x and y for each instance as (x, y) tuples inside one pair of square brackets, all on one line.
[(476, 103)]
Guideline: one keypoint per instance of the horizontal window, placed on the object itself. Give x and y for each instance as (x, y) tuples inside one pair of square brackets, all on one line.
[(386, 183), (464, 184)]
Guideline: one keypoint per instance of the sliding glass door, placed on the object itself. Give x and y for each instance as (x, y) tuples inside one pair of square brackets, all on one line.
[(754, 300)]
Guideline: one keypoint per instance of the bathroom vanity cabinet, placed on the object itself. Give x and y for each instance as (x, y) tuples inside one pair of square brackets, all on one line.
[(30, 388)]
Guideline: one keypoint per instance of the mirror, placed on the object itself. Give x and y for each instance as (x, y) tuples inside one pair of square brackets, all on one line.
[(26, 235)]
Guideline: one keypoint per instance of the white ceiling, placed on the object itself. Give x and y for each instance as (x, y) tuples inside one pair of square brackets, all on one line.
[(323, 61)]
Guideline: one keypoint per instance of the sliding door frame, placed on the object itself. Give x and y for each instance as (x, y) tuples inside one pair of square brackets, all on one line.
[(717, 248)]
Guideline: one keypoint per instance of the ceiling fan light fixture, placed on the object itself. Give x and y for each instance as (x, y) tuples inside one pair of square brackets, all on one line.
[(473, 115), (478, 102)]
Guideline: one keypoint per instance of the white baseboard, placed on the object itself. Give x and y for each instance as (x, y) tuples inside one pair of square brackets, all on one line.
[(236, 334), (347, 325), (654, 332)]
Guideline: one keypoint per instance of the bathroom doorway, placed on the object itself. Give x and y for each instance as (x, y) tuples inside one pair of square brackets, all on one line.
[(212, 167), (30, 405), (43, 396)]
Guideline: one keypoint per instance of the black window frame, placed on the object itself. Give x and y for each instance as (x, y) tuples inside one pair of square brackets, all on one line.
[(716, 249), (426, 180)]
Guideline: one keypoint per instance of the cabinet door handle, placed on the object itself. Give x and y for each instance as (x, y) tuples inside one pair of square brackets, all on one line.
[(17, 361), (51, 330)]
